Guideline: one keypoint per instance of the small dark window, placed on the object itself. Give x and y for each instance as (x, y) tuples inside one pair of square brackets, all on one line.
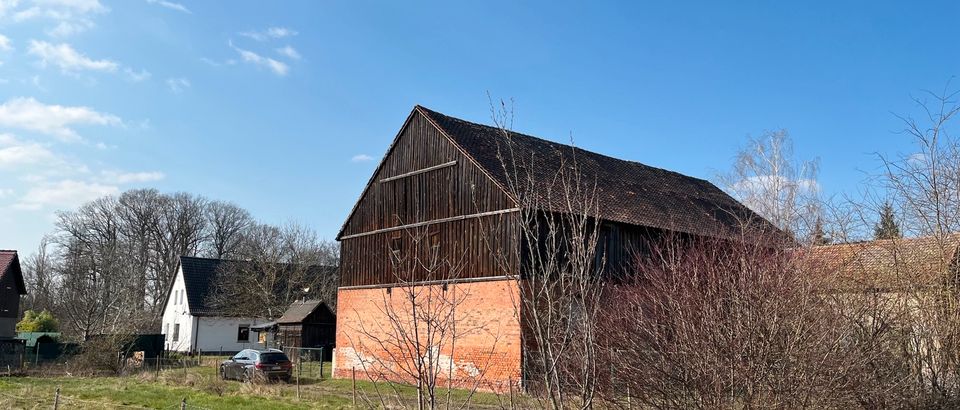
[(243, 333), (434, 239), (396, 247), (176, 332)]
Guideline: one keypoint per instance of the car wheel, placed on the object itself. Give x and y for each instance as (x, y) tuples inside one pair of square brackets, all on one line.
[(223, 373)]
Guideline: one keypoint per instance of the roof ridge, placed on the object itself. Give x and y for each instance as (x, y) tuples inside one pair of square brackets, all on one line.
[(575, 147), (255, 261)]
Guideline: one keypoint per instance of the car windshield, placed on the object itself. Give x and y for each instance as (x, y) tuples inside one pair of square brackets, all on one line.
[(273, 357)]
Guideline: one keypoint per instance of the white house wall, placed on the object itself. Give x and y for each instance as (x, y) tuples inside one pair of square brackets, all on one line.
[(177, 312), (215, 334)]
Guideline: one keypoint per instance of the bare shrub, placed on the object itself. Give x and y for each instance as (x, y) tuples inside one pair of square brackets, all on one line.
[(710, 324), (104, 354)]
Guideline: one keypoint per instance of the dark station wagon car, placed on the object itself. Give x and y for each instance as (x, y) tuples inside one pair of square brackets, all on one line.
[(252, 364)]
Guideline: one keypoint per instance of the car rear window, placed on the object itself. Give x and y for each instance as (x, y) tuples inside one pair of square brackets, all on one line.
[(273, 358)]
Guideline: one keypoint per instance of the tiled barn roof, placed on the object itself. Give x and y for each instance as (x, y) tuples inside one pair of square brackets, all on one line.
[(628, 192)]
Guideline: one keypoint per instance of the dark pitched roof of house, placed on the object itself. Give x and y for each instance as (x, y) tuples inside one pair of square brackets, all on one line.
[(628, 192), (10, 265), (889, 264), (199, 275), (299, 310)]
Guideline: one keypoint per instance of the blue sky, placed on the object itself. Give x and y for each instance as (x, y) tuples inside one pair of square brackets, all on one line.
[(276, 105)]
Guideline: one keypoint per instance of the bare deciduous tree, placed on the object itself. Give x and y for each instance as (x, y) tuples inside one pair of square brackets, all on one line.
[(560, 273), (275, 267), (422, 318), (767, 178)]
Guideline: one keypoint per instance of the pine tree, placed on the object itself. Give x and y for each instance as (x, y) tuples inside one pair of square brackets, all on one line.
[(887, 227), (818, 236)]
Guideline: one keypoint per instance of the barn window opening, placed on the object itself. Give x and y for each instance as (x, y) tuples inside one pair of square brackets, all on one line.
[(396, 248), (434, 239), (176, 332), (243, 333)]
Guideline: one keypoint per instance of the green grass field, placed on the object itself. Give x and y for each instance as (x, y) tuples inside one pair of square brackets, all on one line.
[(202, 389)]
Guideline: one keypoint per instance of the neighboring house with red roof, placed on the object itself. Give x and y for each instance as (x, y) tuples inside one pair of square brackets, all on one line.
[(888, 265), (11, 288)]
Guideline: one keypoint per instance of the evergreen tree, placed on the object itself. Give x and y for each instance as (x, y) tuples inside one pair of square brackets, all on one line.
[(818, 236), (887, 227)]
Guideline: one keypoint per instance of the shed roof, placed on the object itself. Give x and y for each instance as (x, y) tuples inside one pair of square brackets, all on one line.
[(299, 310), (628, 192)]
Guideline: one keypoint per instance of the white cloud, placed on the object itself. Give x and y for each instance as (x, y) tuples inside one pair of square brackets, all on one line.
[(5, 43), (16, 154), (7, 6), (361, 158), (64, 194), (178, 85), (289, 52), (69, 28), (270, 33), (69, 60), (137, 76), (71, 16), (171, 5), (116, 177), (248, 56), (215, 63), (56, 120)]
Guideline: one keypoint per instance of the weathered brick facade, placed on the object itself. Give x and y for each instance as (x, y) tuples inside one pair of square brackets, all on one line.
[(487, 349)]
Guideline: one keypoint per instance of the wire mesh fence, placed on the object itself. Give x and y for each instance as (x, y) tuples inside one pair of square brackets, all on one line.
[(308, 362)]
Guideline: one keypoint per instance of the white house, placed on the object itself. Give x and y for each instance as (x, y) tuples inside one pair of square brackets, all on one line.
[(190, 325)]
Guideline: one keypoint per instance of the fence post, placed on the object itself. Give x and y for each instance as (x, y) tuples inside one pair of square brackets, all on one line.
[(199, 357), (183, 404), (353, 375), (56, 399), (321, 364)]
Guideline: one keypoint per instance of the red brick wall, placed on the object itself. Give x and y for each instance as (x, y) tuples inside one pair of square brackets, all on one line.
[(486, 352)]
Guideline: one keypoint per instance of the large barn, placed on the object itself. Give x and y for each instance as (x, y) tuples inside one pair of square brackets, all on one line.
[(447, 181)]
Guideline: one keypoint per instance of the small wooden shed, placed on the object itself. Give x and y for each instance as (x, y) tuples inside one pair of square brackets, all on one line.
[(308, 323)]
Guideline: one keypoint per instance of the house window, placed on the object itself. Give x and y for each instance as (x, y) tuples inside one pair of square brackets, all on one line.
[(243, 333), (176, 332)]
